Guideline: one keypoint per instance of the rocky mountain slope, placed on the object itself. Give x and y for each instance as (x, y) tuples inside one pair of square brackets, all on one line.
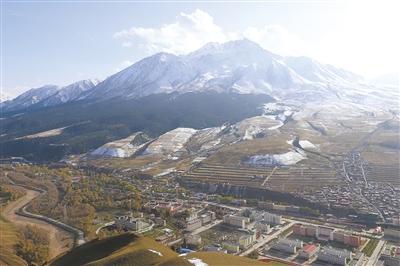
[(48, 95), (238, 66), (201, 91)]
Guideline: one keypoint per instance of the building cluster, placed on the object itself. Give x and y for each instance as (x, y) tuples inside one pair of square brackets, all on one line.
[(390, 256), (340, 196), (308, 251), (128, 222), (262, 227), (327, 234), (171, 207), (239, 240), (236, 221), (291, 246), (335, 256), (266, 217), (374, 198), (386, 197), (199, 220)]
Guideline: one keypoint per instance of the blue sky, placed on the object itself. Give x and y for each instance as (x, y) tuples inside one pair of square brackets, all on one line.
[(62, 42)]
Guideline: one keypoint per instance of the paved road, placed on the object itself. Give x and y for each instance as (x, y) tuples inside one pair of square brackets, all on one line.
[(60, 240)]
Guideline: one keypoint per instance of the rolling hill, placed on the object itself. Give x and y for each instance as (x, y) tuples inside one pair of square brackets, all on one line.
[(130, 249)]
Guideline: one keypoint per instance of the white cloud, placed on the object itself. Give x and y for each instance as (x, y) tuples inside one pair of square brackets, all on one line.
[(364, 40), (126, 44), (191, 31)]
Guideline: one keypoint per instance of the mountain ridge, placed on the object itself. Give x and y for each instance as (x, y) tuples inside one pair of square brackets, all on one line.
[(239, 66)]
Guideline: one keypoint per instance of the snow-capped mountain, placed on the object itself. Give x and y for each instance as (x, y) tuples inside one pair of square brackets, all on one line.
[(238, 66), (70, 92), (159, 73), (4, 97), (30, 97), (49, 95)]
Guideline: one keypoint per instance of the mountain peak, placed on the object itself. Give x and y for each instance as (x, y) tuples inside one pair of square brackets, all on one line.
[(241, 46)]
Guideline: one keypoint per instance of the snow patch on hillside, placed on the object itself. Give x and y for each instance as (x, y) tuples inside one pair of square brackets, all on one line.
[(156, 252), (197, 262), (288, 158), (278, 112), (124, 147), (253, 132), (305, 144), (170, 142)]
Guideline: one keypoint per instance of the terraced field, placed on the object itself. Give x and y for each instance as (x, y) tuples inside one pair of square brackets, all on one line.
[(240, 176), (302, 177), (383, 173), (274, 178)]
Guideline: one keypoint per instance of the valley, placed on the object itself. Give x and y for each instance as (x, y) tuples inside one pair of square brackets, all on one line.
[(228, 149), (59, 240)]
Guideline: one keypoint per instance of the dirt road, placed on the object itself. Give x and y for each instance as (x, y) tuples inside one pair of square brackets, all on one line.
[(60, 240)]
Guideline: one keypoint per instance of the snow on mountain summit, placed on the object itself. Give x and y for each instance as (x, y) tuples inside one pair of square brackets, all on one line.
[(30, 97), (70, 92), (239, 66), (162, 72), (4, 97), (50, 95)]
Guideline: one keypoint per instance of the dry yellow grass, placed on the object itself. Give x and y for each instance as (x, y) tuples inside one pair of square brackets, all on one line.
[(129, 249), (8, 239)]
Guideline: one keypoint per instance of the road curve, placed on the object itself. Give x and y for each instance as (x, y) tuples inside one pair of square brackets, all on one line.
[(60, 240)]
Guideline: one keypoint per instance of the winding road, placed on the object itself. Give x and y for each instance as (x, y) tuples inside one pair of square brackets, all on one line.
[(60, 240)]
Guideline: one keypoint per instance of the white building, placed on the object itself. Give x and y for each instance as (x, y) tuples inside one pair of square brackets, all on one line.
[(324, 233), (193, 224), (238, 221), (262, 226), (272, 218), (288, 245), (335, 256), (129, 223), (246, 240), (207, 217)]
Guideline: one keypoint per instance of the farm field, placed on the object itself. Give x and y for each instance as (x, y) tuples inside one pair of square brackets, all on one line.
[(274, 178), (383, 173)]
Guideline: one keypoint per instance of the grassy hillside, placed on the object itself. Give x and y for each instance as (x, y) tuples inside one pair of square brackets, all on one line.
[(125, 249), (129, 249), (9, 238), (91, 124)]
